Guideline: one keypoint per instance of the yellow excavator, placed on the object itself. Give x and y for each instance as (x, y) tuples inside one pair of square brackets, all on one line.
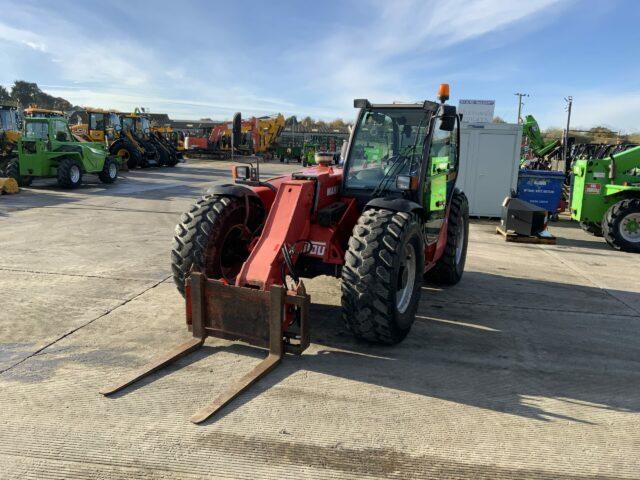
[(269, 129)]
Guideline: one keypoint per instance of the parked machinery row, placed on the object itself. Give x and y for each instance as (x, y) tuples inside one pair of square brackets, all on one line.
[(39, 142), (131, 137)]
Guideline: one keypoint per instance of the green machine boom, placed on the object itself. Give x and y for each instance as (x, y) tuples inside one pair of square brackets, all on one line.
[(606, 198), (531, 131)]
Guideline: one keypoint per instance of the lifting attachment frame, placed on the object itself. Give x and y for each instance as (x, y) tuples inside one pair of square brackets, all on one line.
[(237, 313)]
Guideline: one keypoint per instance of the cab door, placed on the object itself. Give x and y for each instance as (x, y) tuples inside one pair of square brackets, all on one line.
[(440, 166)]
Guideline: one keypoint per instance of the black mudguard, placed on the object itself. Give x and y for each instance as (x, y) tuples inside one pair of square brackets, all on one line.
[(232, 190), (394, 204)]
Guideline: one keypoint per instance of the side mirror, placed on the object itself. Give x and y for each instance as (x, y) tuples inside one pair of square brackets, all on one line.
[(361, 103), (447, 116), (241, 172), (406, 182), (245, 173)]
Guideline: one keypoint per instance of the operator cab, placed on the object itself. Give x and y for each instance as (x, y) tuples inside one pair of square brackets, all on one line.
[(405, 153)]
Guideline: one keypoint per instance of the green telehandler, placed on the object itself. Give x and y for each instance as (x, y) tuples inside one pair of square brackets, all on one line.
[(48, 149), (605, 198)]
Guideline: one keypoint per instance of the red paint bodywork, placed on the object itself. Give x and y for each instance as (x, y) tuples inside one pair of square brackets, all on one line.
[(292, 218)]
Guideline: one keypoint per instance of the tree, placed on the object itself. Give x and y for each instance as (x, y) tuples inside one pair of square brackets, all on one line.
[(291, 121), (4, 94), (601, 134), (307, 122), (337, 123), (27, 93), (498, 119), (552, 133), (634, 137)]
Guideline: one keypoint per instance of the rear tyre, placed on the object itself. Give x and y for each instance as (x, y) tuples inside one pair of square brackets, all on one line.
[(13, 170), (109, 173), (212, 238), (69, 173), (621, 225), (592, 228), (449, 268), (381, 276)]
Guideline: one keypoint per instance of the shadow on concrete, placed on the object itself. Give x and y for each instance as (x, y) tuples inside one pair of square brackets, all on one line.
[(530, 348), (506, 358), (596, 243)]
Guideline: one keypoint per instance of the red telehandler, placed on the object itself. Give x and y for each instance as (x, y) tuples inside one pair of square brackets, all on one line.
[(388, 218)]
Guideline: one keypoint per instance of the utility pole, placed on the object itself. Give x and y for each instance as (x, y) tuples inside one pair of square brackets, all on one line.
[(520, 95), (565, 143)]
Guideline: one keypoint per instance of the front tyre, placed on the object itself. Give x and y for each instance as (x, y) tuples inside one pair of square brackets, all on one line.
[(381, 277), (621, 225), (128, 154), (212, 237), (109, 173), (69, 173), (449, 268)]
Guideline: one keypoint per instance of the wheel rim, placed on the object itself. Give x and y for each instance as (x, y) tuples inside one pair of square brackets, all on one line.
[(112, 170), (234, 252), (123, 153), (460, 242), (406, 278), (74, 174), (630, 227)]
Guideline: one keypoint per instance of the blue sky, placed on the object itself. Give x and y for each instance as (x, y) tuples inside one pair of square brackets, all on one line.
[(209, 59)]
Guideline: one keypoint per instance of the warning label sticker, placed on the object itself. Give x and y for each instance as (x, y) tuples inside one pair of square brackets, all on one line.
[(592, 188)]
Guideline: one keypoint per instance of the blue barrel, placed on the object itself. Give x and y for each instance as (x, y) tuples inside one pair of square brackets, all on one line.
[(541, 187)]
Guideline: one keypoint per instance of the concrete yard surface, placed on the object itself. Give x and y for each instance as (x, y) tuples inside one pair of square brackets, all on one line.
[(529, 368)]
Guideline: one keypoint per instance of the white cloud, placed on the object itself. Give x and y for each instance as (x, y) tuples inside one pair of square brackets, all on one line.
[(372, 59), (94, 59), (386, 55), (22, 37)]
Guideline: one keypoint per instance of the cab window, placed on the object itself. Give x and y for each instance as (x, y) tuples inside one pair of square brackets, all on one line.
[(39, 130), (443, 148), (60, 131), (97, 121), (127, 123)]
